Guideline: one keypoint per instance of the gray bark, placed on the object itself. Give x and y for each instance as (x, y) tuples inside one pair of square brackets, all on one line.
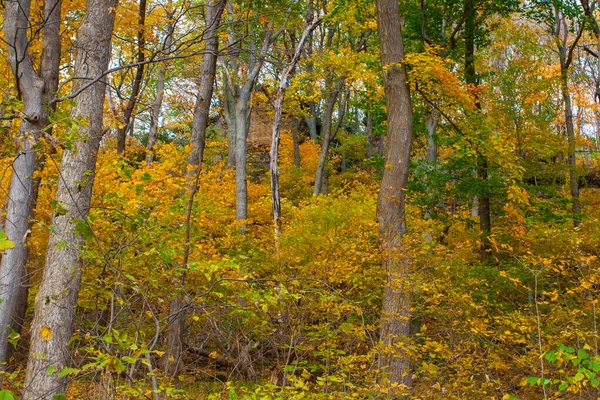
[(137, 82), (174, 348), (328, 134), (56, 300), (207, 79), (565, 52), (395, 318), (242, 98), (160, 93), (229, 110), (275, 138), (35, 92)]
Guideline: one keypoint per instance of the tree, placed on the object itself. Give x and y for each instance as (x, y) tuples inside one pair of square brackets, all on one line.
[(172, 360), (137, 80), (55, 302), (395, 314), (36, 92), (160, 89), (283, 85), (241, 81)]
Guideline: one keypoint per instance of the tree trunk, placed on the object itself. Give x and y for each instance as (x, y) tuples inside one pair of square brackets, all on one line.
[(241, 185), (432, 118), (137, 81), (56, 300), (274, 153), (172, 360), (573, 175), (242, 98), (395, 318), (35, 92), (485, 221), (207, 79), (326, 137), (229, 110), (160, 93)]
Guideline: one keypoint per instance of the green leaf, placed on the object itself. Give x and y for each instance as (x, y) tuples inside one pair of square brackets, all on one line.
[(582, 354), (562, 386), (5, 244), (532, 380), (551, 356), (52, 369), (67, 371), (59, 396), (7, 395)]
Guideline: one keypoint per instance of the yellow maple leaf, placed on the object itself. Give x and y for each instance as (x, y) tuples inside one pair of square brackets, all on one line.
[(46, 333)]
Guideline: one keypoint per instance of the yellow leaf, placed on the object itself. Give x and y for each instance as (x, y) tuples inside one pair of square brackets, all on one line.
[(46, 333), (213, 355)]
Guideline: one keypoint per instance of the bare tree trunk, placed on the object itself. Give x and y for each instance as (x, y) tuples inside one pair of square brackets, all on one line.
[(229, 110), (241, 185), (172, 361), (432, 117), (242, 98), (35, 92), (395, 318), (328, 134), (160, 93), (565, 52), (485, 221), (137, 81), (207, 79), (573, 175), (274, 153), (56, 300)]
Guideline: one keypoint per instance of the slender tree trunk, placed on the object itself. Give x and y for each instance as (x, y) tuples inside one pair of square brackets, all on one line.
[(274, 153), (311, 122), (565, 52), (242, 114), (229, 109), (172, 361), (485, 221), (395, 318), (573, 175), (35, 92), (207, 79), (327, 134), (241, 185), (160, 93), (432, 117), (137, 81), (56, 300)]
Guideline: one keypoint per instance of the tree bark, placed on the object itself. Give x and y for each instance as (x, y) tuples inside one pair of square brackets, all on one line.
[(137, 81), (35, 91), (242, 98), (328, 133), (172, 361), (485, 221), (565, 52), (395, 318), (56, 300), (274, 153), (207, 78), (160, 93)]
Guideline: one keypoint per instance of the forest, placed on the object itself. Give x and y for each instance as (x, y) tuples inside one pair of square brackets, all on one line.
[(299, 199)]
